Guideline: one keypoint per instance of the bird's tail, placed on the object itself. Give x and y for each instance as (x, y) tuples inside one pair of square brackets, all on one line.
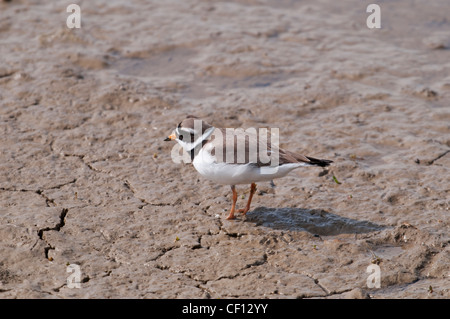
[(318, 162)]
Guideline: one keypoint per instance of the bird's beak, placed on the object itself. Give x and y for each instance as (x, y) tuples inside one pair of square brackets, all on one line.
[(170, 137)]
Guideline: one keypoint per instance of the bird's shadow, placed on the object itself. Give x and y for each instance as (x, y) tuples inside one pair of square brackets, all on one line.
[(315, 221)]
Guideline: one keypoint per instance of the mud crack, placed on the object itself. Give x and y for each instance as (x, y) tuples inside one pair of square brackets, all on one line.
[(48, 201), (431, 162), (128, 185), (88, 164), (57, 227)]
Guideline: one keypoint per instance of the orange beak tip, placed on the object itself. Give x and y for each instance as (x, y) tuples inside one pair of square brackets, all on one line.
[(170, 137)]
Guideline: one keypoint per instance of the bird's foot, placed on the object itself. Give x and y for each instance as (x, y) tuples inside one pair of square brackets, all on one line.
[(231, 216), (243, 211)]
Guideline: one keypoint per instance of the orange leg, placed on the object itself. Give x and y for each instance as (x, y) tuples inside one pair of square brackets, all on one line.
[(247, 208), (233, 206)]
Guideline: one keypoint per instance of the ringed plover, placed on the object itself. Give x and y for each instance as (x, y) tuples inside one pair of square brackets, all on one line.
[(216, 155)]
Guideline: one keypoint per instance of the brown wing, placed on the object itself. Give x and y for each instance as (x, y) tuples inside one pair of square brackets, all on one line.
[(250, 147), (239, 147)]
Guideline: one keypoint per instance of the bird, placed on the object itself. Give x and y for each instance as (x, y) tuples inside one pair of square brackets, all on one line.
[(237, 156)]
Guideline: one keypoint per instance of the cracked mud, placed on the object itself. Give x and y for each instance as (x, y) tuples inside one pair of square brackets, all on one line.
[(86, 178)]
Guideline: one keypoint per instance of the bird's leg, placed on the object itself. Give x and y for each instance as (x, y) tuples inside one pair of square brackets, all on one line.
[(233, 206), (247, 208)]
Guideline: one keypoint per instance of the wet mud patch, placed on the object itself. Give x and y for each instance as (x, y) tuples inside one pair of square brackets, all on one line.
[(249, 82), (161, 64), (177, 71), (314, 221)]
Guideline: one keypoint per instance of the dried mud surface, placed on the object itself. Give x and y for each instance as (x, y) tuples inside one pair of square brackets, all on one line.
[(86, 179)]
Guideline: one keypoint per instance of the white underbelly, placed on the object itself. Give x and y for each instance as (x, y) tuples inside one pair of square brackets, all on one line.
[(234, 174)]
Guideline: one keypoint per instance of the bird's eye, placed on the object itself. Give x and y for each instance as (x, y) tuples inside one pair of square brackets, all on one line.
[(180, 137)]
